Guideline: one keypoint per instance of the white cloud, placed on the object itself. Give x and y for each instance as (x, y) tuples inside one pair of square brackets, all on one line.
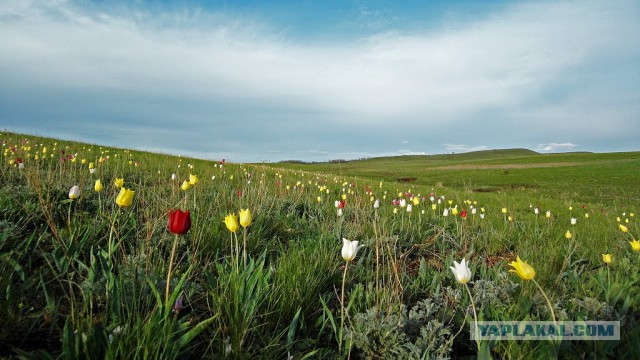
[(556, 147), (464, 148)]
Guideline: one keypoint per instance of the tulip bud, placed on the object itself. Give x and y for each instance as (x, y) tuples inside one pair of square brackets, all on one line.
[(74, 193)]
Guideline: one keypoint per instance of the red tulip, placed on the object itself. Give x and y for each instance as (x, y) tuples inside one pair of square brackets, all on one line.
[(179, 222), (341, 204), (463, 214)]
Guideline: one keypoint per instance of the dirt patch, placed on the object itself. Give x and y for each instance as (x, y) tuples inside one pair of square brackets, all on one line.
[(504, 166), (407, 179)]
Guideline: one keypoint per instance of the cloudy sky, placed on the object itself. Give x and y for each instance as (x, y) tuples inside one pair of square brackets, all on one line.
[(258, 80)]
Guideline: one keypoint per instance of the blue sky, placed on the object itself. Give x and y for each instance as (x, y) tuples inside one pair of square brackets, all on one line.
[(254, 81)]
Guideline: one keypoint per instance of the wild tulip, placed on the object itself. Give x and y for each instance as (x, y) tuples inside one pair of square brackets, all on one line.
[(179, 221), (574, 221), (454, 211), (463, 214), (635, 245), (193, 179), (245, 218), (409, 207), (522, 269), (185, 185), (568, 235), (461, 271), (623, 228), (74, 193), (547, 214), (119, 183), (504, 210), (376, 204), (98, 186), (174, 176), (416, 201), (125, 197), (349, 249), (231, 221), (607, 258), (339, 212)]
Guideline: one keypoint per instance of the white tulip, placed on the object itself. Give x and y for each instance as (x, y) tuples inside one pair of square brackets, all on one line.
[(461, 271), (349, 249), (74, 193)]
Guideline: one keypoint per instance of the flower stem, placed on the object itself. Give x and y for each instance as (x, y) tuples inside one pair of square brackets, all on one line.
[(344, 280), (475, 316), (173, 253), (553, 315), (244, 247)]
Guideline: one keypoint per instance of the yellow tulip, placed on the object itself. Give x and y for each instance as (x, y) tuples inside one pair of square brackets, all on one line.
[(607, 258), (231, 221), (193, 179), (98, 186), (245, 218), (119, 183), (522, 269), (416, 201), (504, 210), (125, 197), (185, 185), (91, 166), (635, 245), (568, 235), (454, 211), (623, 228)]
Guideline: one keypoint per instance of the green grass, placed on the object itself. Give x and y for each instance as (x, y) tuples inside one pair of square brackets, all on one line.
[(86, 278)]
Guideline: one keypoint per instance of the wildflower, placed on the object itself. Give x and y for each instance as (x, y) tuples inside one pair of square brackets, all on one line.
[(623, 228), (231, 221), (74, 193), (193, 179), (504, 210), (125, 197), (461, 271), (568, 235), (173, 176), (522, 269), (185, 185), (339, 212), (178, 306), (416, 201), (349, 249), (607, 258), (409, 207), (445, 212), (119, 183), (245, 218), (574, 221), (635, 245), (179, 221), (454, 211), (547, 214), (98, 186), (376, 204)]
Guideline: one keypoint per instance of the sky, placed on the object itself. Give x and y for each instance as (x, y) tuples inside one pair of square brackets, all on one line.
[(254, 81)]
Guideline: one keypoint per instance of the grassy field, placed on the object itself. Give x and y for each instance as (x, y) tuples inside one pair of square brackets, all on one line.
[(106, 274)]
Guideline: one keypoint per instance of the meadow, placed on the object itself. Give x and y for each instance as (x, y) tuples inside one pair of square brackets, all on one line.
[(99, 259)]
